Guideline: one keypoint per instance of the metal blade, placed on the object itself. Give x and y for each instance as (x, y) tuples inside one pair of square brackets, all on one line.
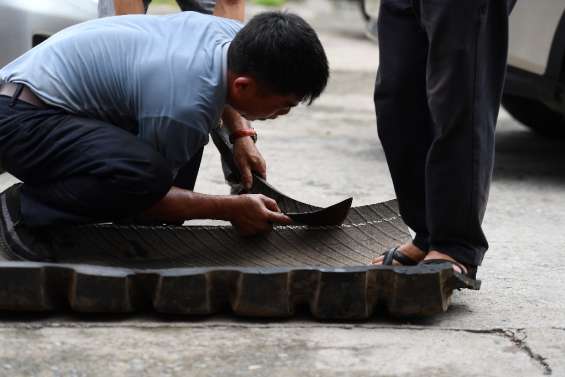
[(329, 216)]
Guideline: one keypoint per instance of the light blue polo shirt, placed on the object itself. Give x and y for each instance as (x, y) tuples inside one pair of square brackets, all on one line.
[(162, 76)]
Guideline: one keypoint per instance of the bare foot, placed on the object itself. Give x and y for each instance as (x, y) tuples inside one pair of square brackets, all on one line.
[(408, 249), (434, 254)]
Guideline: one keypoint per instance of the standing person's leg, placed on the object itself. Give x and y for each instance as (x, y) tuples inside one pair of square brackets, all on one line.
[(403, 118), (129, 7), (201, 6), (465, 76), (108, 8), (234, 9)]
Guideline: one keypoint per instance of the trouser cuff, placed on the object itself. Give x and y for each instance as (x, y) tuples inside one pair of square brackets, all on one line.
[(422, 242), (472, 257)]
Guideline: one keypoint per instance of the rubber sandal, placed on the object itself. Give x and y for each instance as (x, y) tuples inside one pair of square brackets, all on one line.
[(394, 254), (471, 270)]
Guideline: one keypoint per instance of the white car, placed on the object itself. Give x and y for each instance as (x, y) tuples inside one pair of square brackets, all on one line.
[(535, 84), (26, 23)]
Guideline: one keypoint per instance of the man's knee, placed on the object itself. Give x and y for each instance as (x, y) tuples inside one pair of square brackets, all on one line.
[(119, 188), (140, 178)]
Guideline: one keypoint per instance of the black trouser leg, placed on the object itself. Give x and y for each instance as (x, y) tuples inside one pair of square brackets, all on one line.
[(78, 170), (403, 118), (194, 6), (186, 177), (189, 5), (468, 44), (465, 42)]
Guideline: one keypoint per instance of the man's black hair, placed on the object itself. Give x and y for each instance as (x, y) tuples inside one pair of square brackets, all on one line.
[(283, 53)]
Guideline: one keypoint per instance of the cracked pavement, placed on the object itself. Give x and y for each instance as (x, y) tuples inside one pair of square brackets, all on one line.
[(514, 326)]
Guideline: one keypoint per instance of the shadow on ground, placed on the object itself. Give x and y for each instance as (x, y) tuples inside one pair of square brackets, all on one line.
[(524, 155)]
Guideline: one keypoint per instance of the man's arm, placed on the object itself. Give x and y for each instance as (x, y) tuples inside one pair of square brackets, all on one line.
[(120, 7), (246, 156), (250, 214)]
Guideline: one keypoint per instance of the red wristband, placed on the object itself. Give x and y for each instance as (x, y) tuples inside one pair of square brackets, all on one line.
[(243, 133)]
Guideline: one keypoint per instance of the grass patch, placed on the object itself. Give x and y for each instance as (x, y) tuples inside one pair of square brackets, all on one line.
[(164, 2)]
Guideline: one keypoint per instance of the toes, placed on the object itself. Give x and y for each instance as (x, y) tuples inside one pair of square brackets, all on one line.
[(460, 270), (377, 260)]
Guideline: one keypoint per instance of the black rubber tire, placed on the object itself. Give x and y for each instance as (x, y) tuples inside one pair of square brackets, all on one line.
[(535, 115)]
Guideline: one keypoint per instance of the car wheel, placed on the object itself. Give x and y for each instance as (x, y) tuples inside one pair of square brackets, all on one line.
[(535, 115)]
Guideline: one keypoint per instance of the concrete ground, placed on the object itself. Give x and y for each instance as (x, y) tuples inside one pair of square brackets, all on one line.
[(514, 326)]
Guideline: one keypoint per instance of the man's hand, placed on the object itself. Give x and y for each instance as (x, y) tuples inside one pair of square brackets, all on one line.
[(248, 159), (249, 213), (253, 213), (245, 154)]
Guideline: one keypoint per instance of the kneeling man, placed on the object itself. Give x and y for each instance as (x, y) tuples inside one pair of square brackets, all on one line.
[(106, 120)]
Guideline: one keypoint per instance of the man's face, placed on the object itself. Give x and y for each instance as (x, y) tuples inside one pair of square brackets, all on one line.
[(255, 103), (267, 107)]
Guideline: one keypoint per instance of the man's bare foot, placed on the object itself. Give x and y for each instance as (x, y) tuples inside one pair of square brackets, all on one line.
[(408, 249), (435, 255)]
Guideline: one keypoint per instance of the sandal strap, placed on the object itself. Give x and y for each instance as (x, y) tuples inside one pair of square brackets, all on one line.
[(394, 254), (403, 259), (388, 257)]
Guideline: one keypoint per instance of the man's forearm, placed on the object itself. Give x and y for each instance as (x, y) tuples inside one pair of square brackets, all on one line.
[(179, 205), (246, 156), (250, 214), (233, 121)]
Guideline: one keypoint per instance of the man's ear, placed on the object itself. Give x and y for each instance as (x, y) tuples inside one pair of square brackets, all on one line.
[(243, 86)]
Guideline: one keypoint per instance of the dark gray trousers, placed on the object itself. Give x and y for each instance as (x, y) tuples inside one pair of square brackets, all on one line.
[(437, 95), (79, 170)]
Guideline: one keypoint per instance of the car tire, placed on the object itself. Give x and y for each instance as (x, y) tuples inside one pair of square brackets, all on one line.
[(535, 115)]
